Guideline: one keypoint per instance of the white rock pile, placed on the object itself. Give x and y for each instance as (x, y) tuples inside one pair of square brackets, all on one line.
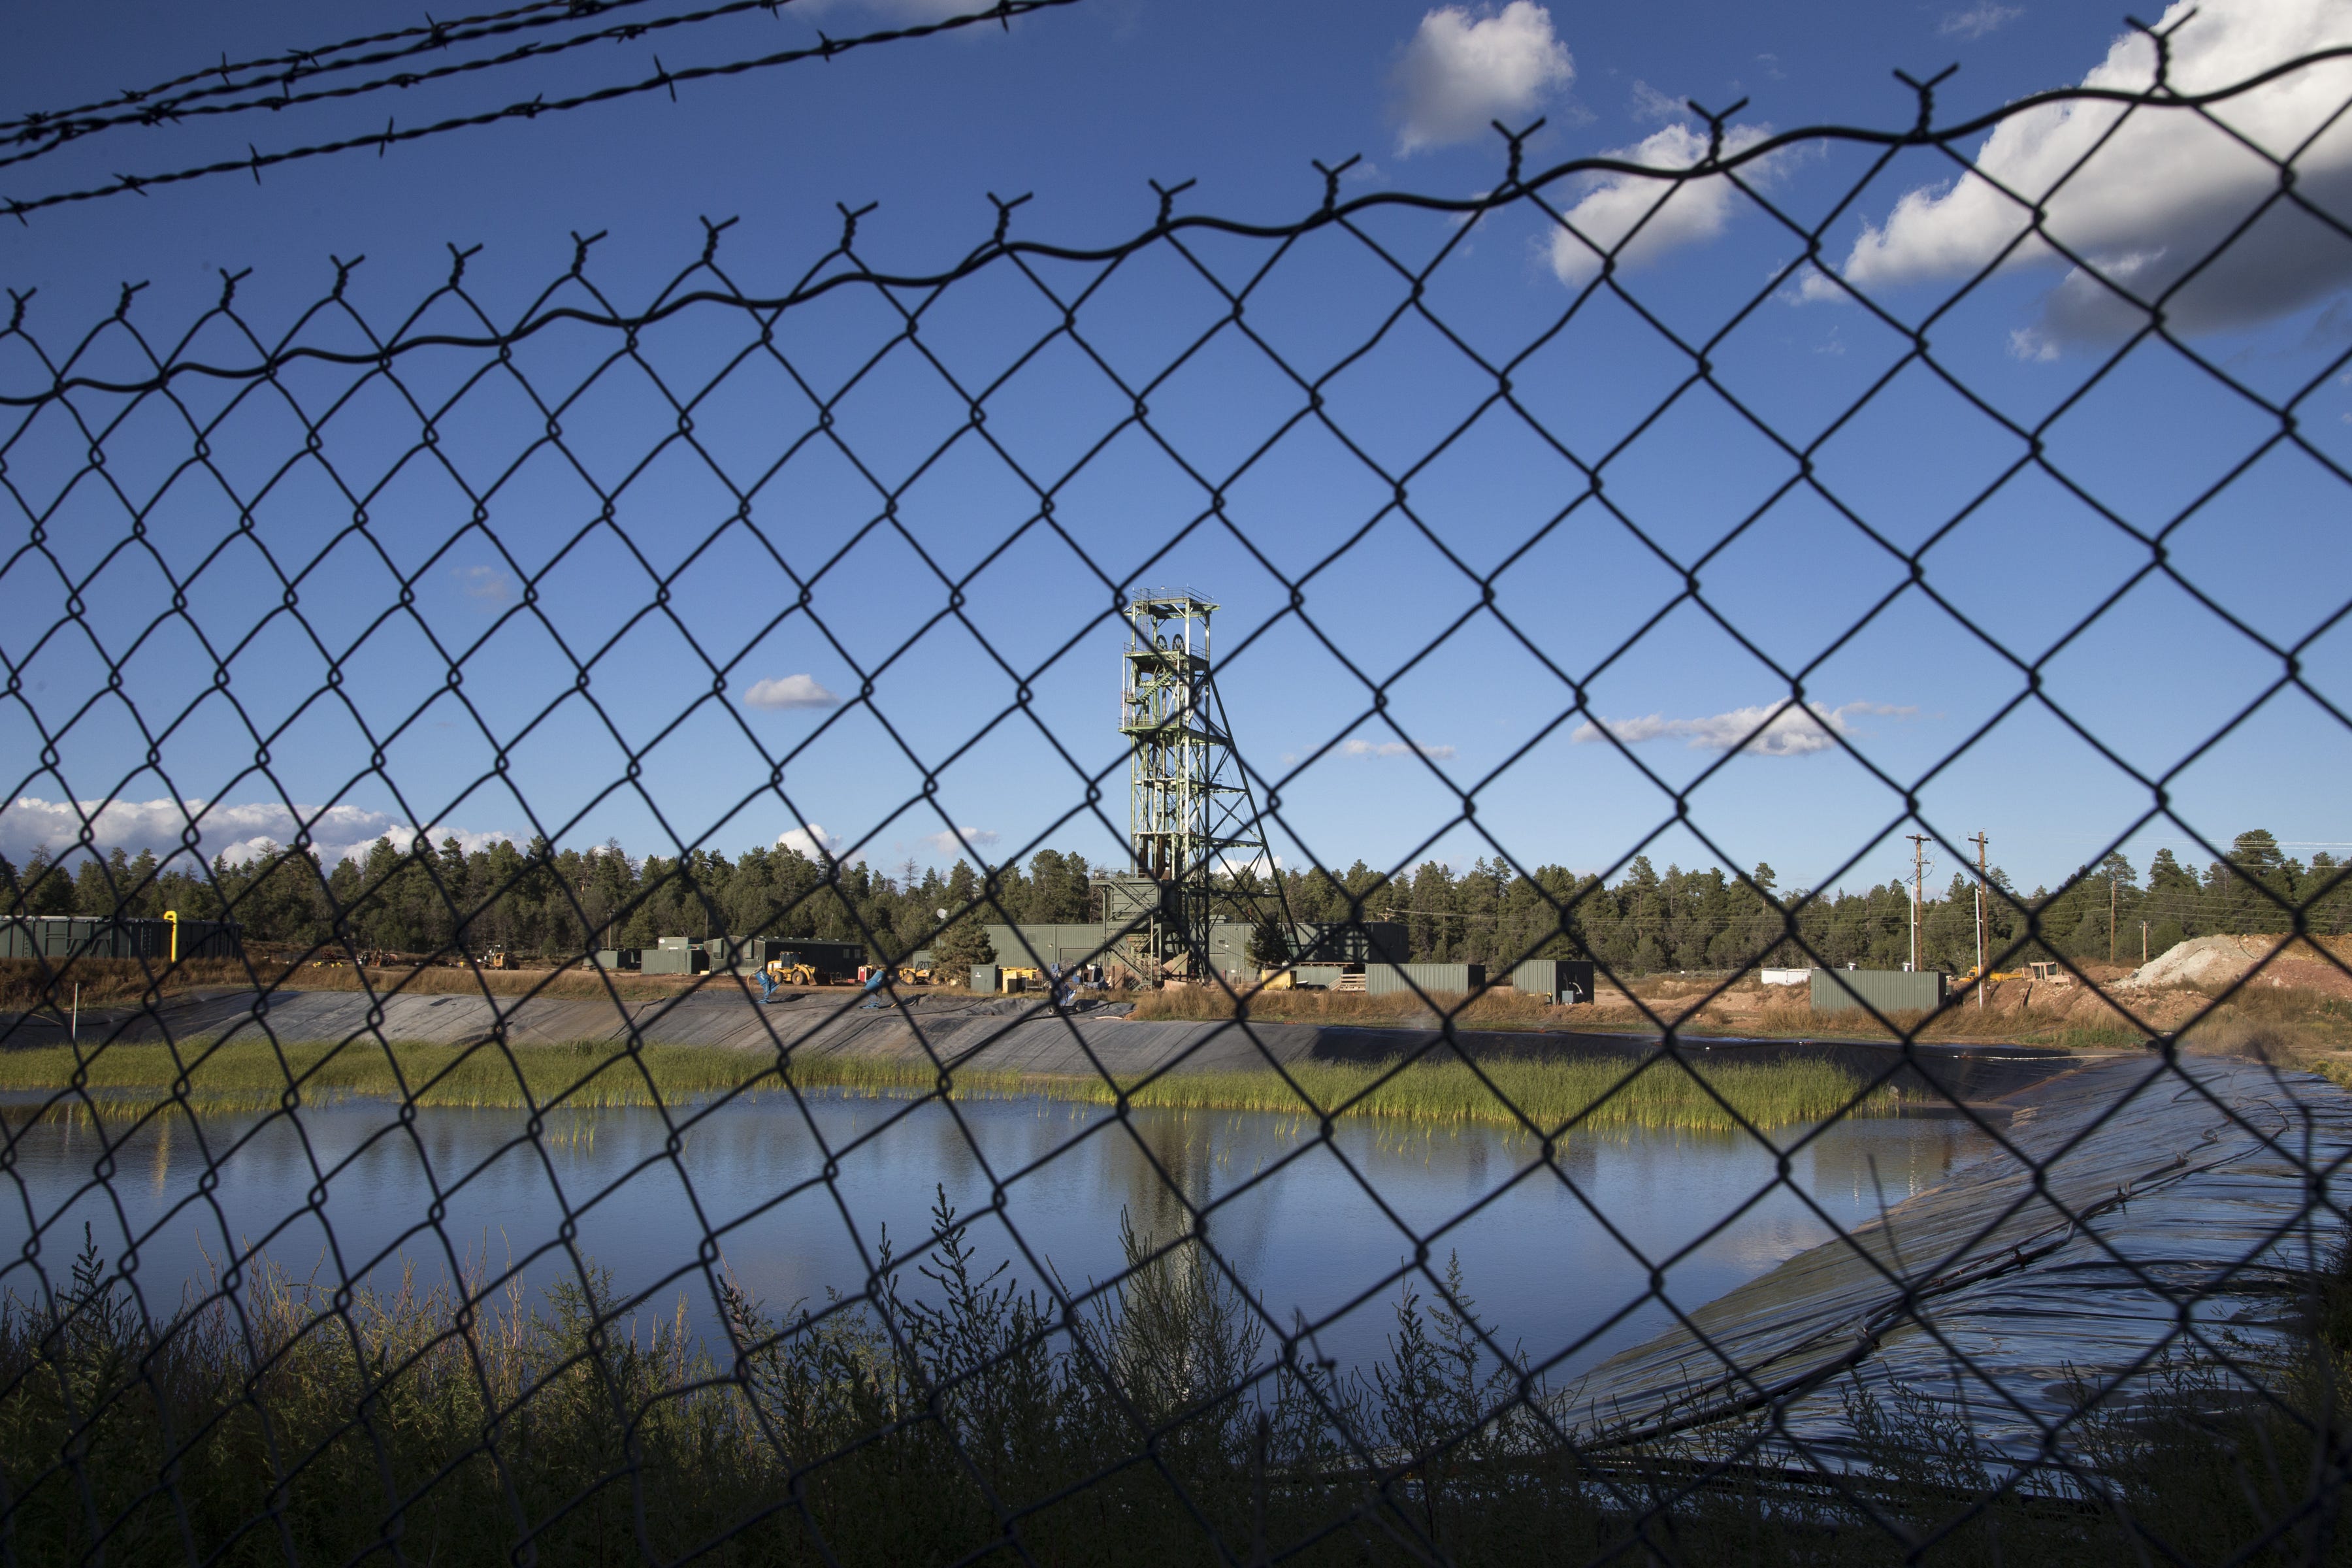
[(2201, 960)]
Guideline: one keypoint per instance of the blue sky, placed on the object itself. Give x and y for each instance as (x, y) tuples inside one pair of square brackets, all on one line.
[(1079, 107)]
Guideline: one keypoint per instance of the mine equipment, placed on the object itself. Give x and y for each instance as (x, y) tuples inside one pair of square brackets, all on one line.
[(1197, 847), (85, 936), (789, 969)]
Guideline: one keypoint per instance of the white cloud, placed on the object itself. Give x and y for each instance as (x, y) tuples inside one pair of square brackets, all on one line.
[(1462, 71), (1685, 212), (1791, 732), (1649, 103), (240, 832), (814, 843), (488, 584), (2158, 194), (1978, 20), (947, 843), (789, 691), (1261, 866), (1394, 749)]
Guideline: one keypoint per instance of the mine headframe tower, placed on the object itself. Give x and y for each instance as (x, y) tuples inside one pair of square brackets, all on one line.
[(1195, 840)]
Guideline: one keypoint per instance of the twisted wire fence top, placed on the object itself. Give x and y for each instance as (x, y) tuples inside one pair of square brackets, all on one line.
[(542, 567), (279, 84)]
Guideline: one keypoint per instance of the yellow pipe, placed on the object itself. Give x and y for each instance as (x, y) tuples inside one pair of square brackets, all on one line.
[(174, 916)]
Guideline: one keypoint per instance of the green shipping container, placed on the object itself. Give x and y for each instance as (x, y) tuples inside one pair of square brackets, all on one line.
[(1562, 980), (1430, 979), (83, 936), (1887, 990)]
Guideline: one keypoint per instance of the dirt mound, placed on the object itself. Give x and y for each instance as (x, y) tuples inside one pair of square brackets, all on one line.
[(2201, 960), (2209, 961)]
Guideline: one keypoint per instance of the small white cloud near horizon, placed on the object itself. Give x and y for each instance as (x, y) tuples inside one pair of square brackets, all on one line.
[(1255, 866), (814, 843), (1395, 749), (1463, 70), (789, 691), (1669, 213), (242, 832), (1649, 103), (1978, 20), (489, 584), (947, 843), (1791, 732), (2153, 196)]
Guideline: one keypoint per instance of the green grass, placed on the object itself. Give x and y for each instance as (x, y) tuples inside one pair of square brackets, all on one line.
[(1551, 1092), (251, 1073)]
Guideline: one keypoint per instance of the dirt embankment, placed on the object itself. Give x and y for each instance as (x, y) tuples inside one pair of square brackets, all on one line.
[(2232, 993), (2245, 994), (2321, 964), (30, 982)]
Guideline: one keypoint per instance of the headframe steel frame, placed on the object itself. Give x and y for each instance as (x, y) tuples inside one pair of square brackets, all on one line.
[(1194, 826)]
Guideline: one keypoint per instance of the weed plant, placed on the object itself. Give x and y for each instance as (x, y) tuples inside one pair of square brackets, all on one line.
[(1150, 1421), (1496, 1009), (1592, 1093), (1606, 1092), (255, 1073)]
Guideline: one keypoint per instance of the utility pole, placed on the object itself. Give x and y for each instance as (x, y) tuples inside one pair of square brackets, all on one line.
[(1918, 876), (2143, 944), (2111, 914), (1980, 842)]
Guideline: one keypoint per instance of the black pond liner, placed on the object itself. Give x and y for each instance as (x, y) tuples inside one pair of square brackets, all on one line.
[(2175, 1228)]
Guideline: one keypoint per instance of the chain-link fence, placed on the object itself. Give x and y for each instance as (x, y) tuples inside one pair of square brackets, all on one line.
[(503, 1199)]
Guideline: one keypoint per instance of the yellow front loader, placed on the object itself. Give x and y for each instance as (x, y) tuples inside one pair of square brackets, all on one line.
[(784, 971), (780, 971)]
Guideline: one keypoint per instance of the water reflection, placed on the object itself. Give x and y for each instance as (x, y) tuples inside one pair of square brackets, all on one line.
[(1311, 1224)]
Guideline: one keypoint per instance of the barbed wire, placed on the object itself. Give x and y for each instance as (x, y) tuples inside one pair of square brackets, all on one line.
[(310, 58), (664, 79), (1167, 1408), (176, 99), (188, 106)]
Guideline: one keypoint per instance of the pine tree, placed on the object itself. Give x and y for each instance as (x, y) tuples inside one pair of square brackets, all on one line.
[(959, 948), (1269, 947)]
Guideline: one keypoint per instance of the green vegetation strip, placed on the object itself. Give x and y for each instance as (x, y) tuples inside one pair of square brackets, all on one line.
[(597, 1075), (1551, 1092)]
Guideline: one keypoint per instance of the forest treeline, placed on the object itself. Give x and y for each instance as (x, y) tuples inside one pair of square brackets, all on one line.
[(532, 900)]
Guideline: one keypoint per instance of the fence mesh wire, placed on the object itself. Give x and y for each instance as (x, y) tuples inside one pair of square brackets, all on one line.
[(2010, 1367)]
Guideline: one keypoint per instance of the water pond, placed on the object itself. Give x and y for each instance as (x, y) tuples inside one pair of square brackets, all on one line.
[(1553, 1254)]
